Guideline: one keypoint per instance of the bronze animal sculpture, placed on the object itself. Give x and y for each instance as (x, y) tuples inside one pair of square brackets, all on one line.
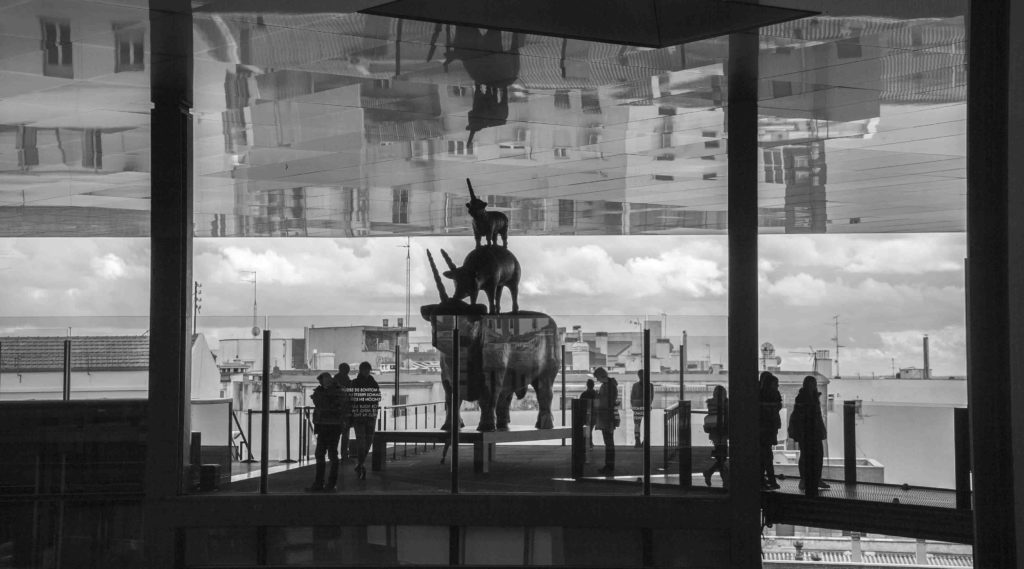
[(486, 224), (502, 355), (489, 268)]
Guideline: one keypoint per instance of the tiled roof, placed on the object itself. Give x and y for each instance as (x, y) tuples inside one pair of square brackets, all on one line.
[(46, 353)]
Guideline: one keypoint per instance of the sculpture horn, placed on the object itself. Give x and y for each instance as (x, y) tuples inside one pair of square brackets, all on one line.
[(448, 260), (468, 183), (437, 278)]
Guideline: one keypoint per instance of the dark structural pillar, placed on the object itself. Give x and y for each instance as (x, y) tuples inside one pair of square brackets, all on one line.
[(744, 489), (646, 386), (962, 457), (167, 422), (265, 415), (995, 277), (453, 407), (850, 442)]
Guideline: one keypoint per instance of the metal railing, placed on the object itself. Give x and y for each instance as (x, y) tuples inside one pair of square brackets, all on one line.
[(421, 421), (238, 445)]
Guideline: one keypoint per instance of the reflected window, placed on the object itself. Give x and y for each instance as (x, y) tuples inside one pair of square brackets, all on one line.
[(129, 47), (566, 213), (25, 143), (562, 99), (92, 149), (459, 148), (400, 204), (561, 152), (666, 156), (57, 49)]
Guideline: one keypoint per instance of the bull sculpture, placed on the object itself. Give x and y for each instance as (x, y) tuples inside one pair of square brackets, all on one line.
[(489, 268), (500, 354), (486, 224)]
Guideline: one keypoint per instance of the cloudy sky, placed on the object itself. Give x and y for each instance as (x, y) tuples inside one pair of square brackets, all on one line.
[(888, 290)]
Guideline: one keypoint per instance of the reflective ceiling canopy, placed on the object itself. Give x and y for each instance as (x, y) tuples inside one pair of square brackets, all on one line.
[(348, 123)]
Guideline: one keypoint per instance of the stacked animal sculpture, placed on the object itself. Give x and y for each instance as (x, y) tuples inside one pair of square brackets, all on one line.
[(486, 224), (489, 268), (500, 354)]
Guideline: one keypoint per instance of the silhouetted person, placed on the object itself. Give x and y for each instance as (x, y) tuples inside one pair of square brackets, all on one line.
[(607, 418), (590, 395), (716, 425), (769, 424), (364, 394), (344, 382), (807, 428), (327, 427), (636, 401)]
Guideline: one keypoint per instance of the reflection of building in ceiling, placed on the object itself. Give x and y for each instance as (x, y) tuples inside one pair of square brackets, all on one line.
[(351, 124)]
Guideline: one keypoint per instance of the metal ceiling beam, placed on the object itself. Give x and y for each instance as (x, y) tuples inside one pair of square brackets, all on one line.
[(651, 23)]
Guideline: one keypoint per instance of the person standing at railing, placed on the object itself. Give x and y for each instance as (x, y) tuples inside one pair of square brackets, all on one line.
[(716, 425), (327, 427), (607, 419), (636, 401), (807, 428), (769, 425), (344, 382), (590, 396), (364, 397)]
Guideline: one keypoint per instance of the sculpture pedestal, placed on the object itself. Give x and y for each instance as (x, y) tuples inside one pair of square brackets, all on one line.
[(483, 443)]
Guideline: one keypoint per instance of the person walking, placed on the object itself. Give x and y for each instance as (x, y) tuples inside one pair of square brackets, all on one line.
[(590, 396), (636, 401), (344, 382), (807, 428), (364, 397), (769, 424), (607, 418), (327, 428), (716, 425)]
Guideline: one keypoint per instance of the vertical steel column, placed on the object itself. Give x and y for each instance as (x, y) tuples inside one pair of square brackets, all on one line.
[(850, 442), (685, 445), (744, 468), (646, 382), (995, 315), (170, 289), (453, 407), (579, 441), (287, 437), (265, 418), (682, 367), (66, 390), (962, 457)]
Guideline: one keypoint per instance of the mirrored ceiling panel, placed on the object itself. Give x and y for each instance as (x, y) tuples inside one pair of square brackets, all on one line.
[(74, 118), (311, 123)]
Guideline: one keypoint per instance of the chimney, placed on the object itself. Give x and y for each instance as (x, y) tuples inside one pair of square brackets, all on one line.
[(926, 374), (601, 340)]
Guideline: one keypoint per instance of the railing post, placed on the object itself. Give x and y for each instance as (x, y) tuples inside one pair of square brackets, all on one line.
[(962, 457), (685, 447), (579, 442), (248, 428), (453, 406), (265, 423), (850, 442), (67, 370), (287, 437)]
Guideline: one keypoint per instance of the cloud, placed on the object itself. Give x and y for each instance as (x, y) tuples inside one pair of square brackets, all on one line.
[(109, 266)]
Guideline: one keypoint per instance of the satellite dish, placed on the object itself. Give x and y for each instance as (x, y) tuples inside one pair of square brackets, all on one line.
[(255, 331)]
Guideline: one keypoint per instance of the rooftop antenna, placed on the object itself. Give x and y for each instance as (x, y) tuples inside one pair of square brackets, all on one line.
[(813, 354), (408, 278), (835, 339)]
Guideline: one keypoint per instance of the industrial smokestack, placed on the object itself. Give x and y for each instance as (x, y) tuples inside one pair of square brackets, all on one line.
[(927, 372)]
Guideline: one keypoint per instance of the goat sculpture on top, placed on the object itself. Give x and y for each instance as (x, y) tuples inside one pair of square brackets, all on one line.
[(486, 224)]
